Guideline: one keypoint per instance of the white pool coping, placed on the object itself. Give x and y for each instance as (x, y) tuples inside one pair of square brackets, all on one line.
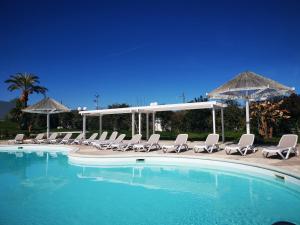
[(174, 160)]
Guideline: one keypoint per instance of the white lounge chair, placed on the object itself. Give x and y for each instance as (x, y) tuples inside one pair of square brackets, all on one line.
[(78, 139), (286, 145), (179, 144), (209, 145), (35, 140), (18, 139), (52, 138), (113, 144), (147, 146), (66, 139), (91, 138), (102, 142), (128, 145), (245, 144), (103, 136)]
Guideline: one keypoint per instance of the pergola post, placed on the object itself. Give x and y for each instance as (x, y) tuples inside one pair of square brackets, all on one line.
[(247, 117), (153, 122), (140, 123), (100, 124), (214, 119), (48, 125), (84, 125), (132, 124), (222, 124), (147, 126)]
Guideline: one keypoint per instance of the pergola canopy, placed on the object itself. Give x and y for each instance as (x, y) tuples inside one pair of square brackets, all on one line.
[(155, 108), (47, 106), (152, 109)]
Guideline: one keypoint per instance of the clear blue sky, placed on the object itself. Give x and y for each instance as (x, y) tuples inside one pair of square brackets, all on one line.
[(142, 51)]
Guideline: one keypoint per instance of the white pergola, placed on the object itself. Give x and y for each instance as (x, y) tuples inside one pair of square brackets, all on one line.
[(152, 109)]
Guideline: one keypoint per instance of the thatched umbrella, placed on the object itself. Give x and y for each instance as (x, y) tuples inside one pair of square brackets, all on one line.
[(47, 106), (250, 86)]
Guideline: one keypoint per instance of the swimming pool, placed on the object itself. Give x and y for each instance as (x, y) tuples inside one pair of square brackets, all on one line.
[(36, 148), (47, 189)]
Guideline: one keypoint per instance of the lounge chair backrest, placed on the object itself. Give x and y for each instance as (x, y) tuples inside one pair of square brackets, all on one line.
[(288, 141), (113, 136), (212, 139), (181, 139), (93, 136), (103, 136), (120, 138), (154, 138), (136, 138), (67, 136), (19, 137), (53, 136), (39, 136), (79, 137), (246, 140)]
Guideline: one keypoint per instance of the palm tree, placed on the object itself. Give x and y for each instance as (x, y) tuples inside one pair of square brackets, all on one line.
[(27, 83)]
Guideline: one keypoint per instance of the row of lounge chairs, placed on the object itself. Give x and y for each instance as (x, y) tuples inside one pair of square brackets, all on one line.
[(53, 139), (285, 147)]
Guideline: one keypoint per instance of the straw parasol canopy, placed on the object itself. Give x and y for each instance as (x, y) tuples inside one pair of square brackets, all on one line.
[(47, 106), (250, 86)]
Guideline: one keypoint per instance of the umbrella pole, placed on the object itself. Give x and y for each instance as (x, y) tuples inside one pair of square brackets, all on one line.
[(132, 124), (153, 123), (214, 119), (84, 125), (48, 124), (247, 117), (140, 123), (147, 126), (100, 125)]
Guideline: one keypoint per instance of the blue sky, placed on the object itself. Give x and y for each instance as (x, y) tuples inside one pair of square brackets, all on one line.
[(143, 51)]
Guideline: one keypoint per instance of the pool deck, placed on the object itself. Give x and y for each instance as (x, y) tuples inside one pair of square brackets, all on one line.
[(292, 165)]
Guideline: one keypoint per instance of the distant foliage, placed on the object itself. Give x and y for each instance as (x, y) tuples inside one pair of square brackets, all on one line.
[(273, 118)]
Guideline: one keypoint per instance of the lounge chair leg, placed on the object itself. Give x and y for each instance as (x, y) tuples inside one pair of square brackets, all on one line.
[(288, 154), (227, 151), (279, 153), (266, 155), (240, 151)]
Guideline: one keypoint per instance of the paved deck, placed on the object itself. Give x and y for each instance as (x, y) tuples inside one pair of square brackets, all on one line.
[(291, 165)]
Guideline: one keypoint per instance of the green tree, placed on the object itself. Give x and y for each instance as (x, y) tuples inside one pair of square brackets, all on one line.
[(16, 113), (27, 83), (268, 114)]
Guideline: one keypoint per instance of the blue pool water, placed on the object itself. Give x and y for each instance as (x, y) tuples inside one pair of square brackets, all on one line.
[(46, 189)]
